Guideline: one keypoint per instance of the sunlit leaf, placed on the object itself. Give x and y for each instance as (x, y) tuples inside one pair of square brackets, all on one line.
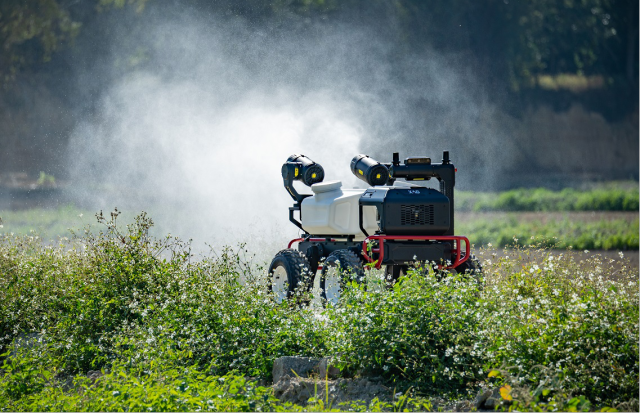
[(505, 392)]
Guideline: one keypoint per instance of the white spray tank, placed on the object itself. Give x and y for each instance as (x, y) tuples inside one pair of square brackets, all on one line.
[(335, 211)]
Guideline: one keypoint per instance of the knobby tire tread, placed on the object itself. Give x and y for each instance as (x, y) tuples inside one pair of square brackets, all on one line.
[(296, 263)]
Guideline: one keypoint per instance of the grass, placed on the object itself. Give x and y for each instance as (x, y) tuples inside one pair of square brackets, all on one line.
[(612, 197), (119, 320), (48, 223), (562, 231)]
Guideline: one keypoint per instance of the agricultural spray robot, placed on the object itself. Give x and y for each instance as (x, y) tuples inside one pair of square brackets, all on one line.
[(391, 224)]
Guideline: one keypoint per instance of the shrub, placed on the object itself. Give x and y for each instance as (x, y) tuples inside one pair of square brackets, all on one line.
[(163, 327), (420, 333), (569, 317)]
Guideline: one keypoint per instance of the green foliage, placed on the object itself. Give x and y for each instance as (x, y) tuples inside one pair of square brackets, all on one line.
[(542, 199), (42, 21), (46, 179), (570, 37), (580, 231), (551, 321), (516, 41), (32, 31), (118, 320), (47, 223), (560, 317), (420, 333), (523, 40), (108, 285), (126, 388), (118, 4)]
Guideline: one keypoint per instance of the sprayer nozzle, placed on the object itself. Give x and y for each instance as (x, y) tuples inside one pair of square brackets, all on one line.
[(305, 170), (369, 170)]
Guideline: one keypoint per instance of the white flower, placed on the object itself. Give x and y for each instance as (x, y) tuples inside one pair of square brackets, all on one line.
[(619, 253)]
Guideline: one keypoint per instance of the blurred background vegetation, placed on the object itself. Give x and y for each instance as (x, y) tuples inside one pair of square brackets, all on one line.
[(560, 78), (521, 47), (538, 61)]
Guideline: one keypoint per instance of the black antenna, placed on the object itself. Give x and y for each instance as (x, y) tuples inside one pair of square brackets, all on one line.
[(445, 158)]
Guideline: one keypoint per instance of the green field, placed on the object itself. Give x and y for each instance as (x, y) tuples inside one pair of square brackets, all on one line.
[(614, 196), (602, 231), (121, 321), (604, 217), (553, 330)]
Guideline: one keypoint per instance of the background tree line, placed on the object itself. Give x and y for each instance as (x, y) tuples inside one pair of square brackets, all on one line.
[(549, 54), (512, 44)]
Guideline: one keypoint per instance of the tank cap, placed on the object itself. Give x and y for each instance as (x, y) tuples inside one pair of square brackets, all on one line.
[(328, 186)]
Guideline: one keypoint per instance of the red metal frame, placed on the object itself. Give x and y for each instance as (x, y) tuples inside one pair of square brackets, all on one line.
[(460, 259), (293, 241), (381, 238)]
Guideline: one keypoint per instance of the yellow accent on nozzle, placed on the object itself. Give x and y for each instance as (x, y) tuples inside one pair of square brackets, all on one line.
[(418, 179), (296, 174), (361, 173)]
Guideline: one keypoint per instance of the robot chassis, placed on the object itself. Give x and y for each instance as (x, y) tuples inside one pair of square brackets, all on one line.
[(391, 224)]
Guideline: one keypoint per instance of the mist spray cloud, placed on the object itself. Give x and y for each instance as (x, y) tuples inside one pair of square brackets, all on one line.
[(197, 135)]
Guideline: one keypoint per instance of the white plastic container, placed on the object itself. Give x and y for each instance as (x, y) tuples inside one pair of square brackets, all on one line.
[(334, 211)]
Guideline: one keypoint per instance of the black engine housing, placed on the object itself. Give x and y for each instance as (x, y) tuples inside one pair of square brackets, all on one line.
[(409, 211)]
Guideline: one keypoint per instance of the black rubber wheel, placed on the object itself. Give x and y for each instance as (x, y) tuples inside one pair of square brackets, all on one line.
[(393, 272), (472, 266), (289, 270), (339, 267)]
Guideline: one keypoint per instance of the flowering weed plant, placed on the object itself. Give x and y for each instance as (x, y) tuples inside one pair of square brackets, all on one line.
[(119, 320)]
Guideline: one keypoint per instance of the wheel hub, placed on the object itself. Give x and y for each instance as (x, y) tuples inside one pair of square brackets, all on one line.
[(280, 284)]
